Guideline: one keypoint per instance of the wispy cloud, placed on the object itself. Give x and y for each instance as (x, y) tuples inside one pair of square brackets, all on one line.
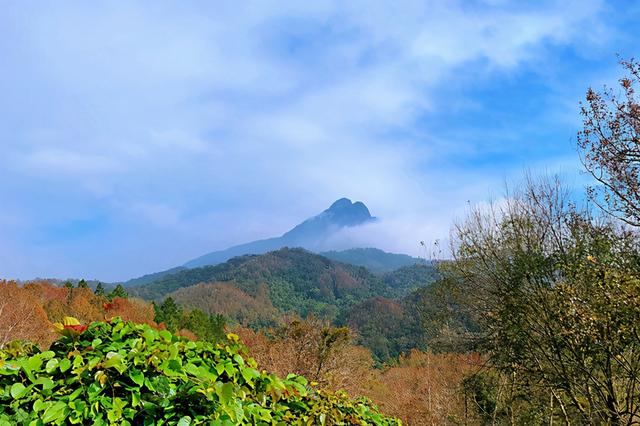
[(195, 126)]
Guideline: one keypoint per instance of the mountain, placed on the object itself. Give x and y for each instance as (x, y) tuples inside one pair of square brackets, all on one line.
[(293, 279), (373, 259), (262, 290), (311, 234), (408, 278), (145, 279)]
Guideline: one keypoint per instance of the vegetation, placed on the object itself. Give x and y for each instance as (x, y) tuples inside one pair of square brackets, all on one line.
[(421, 388), (375, 260), (609, 143), (557, 297), (126, 373), (535, 320), (206, 327), (407, 279), (297, 280), (259, 291)]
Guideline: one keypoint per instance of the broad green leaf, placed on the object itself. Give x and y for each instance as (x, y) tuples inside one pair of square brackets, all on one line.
[(39, 405), (18, 390), (249, 374), (46, 383), (52, 364), (64, 364), (55, 412), (226, 392), (184, 421), (113, 359), (137, 377)]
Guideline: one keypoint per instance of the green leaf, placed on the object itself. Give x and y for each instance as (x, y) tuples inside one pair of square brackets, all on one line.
[(52, 364), (18, 390), (75, 394), (249, 374), (113, 359), (166, 335), (185, 421), (34, 363), (46, 383), (237, 358), (64, 365), (55, 412), (226, 392), (47, 354), (137, 377), (39, 405)]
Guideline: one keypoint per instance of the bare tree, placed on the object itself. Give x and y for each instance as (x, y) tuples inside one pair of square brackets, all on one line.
[(610, 145)]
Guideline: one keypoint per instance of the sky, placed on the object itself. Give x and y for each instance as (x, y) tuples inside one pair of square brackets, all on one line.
[(135, 136)]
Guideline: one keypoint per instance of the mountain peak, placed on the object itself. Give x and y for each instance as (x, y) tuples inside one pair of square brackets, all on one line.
[(341, 203), (343, 212), (310, 234)]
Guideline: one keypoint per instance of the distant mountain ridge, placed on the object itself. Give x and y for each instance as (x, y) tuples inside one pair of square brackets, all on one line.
[(292, 279), (291, 271), (314, 234), (262, 290), (375, 260), (310, 234)]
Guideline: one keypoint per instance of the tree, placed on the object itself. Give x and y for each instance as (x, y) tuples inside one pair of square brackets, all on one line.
[(99, 290), (557, 296), (169, 313), (206, 327), (313, 347), (22, 316), (610, 146), (82, 284), (119, 291), (130, 309)]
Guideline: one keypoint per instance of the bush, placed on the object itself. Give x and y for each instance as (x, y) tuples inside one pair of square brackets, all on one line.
[(125, 373)]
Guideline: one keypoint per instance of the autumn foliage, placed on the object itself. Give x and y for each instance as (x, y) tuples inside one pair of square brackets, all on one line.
[(22, 316), (28, 312)]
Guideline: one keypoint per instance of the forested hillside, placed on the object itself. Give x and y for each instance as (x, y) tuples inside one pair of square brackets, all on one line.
[(313, 348), (375, 260), (260, 290)]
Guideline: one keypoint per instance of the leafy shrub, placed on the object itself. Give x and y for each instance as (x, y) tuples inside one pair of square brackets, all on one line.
[(124, 373)]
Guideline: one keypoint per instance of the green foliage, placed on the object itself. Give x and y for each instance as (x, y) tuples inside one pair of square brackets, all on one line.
[(482, 389), (169, 314), (297, 280), (556, 295), (99, 291), (387, 327), (82, 284), (410, 278), (126, 373), (375, 260), (206, 327), (118, 291)]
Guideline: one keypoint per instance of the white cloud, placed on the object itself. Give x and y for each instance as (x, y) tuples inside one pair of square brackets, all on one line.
[(197, 115)]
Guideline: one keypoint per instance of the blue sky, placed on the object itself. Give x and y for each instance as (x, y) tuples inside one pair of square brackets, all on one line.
[(137, 135)]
